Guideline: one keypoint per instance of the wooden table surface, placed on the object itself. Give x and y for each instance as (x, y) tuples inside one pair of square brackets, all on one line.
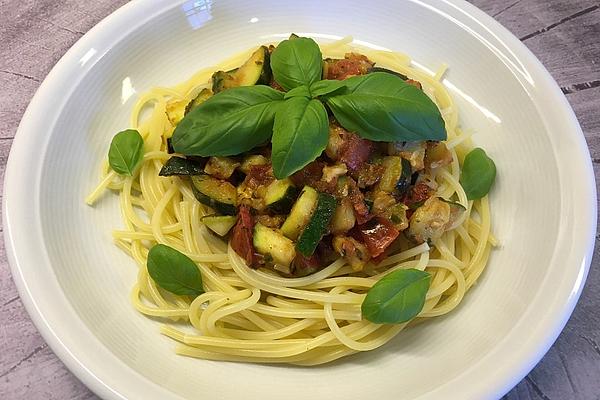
[(563, 34)]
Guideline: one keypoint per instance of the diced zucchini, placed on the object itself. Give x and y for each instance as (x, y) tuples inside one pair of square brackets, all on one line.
[(353, 251), (217, 194), (180, 166), (397, 214), (221, 167), (457, 212), (219, 224), (388, 71), (222, 80), (343, 218), (301, 212), (204, 95), (396, 176), (403, 183), (273, 244), (280, 196), (437, 155), (255, 159), (317, 226), (255, 71), (391, 175), (175, 110)]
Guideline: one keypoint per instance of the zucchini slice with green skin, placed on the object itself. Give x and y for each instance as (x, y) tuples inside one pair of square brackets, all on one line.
[(280, 196), (219, 224), (255, 71), (204, 95), (403, 183), (217, 194), (274, 245), (391, 174), (317, 226), (180, 166), (388, 71), (222, 80), (301, 212), (254, 159)]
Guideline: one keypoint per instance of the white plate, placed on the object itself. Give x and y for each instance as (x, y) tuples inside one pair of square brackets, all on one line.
[(75, 283)]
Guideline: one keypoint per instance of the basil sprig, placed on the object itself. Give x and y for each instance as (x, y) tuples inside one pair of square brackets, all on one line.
[(397, 297), (126, 152), (378, 106), (174, 271), (478, 174)]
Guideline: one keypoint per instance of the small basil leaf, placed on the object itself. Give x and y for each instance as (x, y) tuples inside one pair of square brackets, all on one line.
[(382, 107), (300, 135), (126, 151), (229, 123), (299, 91), (297, 62), (180, 166), (327, 87), (397, 297), (478, 174), (174, 271)]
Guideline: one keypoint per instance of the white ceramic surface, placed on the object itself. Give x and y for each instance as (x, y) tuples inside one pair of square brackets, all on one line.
[(75, 283)]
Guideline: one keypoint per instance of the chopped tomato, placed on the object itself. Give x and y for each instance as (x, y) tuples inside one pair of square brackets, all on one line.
[(378, 234), (241, 239), (309, 175), (355, 151), (418, 194), (357, 198), (414, 83), (303, 266), (353, 64), (261, 175)]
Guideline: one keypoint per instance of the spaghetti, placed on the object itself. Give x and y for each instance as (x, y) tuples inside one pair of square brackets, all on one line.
[(252, 315)]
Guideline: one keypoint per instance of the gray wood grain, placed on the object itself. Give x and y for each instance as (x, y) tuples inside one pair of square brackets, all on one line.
[(563, 34)]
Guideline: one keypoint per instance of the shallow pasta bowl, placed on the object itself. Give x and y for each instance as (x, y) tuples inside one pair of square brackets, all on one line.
[(76, 284)]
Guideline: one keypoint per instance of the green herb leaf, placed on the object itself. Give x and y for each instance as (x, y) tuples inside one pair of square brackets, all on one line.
[(229, 123), (478, 174), (327, 87), (382, 107), (126, 151), (300, 135), (297, 62), (174, 271), (299, 91), (397, 297)]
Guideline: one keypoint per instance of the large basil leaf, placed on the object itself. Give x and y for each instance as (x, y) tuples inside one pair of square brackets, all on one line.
[(382, 107), (229, 123), (300, 135), (297, 62), (397, 297), (478, 174), (126, 151), (174, 271)]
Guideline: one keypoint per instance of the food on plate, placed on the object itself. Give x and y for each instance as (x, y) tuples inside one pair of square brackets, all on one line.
[(299, 204)]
